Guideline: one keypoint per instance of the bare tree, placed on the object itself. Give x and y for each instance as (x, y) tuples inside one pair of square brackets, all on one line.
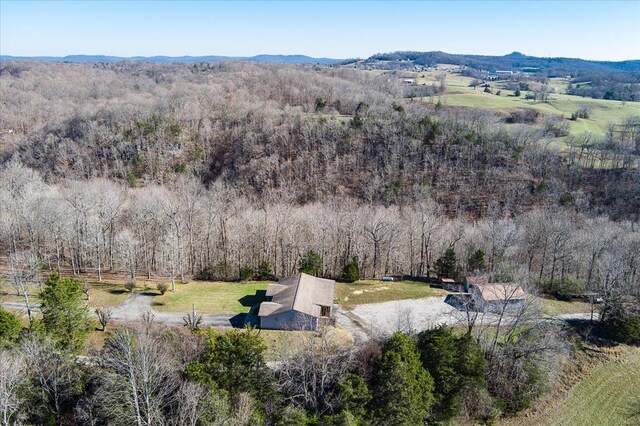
[(104, 316), (23, 274), (12, 378)]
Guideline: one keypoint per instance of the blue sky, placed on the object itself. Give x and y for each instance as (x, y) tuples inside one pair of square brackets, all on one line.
[(588, 29)]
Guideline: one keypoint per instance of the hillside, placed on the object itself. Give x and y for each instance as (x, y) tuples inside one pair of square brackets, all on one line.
[(515, 61)]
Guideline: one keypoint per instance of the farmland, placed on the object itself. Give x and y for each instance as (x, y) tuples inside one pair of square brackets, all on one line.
[(459, 94)]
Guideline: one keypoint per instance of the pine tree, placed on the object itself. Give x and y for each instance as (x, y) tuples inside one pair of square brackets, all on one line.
[(351, 270), (447, 265), (402, 387), (64, 314), (311, 263), (477, 262)]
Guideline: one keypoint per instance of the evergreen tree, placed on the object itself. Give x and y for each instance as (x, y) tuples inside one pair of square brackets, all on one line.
[(477, 262), (447, 265), (402, 387), (64, 314), (311, 263), (264, 271), (517, 93), (233, 361), (9, 328), (354, 396), (351, 270), (455, 363)]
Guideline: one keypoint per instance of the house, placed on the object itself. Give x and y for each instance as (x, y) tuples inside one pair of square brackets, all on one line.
[(476, 280), (497, 297), (298, 302)]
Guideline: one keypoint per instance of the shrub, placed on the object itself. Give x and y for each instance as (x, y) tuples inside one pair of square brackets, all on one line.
[(130, 285), (162, 287), (524, 115), (217, 272)]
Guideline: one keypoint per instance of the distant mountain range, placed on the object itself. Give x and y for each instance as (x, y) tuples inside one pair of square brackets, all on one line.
[(515, 61), (292, 59)]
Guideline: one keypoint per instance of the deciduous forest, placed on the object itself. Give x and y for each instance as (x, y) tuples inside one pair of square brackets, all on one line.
[(231, 171)]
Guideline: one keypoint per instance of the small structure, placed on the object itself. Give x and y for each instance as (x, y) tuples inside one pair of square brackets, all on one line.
[(476, 280), (298, 302), (497, 297), (450, 284)]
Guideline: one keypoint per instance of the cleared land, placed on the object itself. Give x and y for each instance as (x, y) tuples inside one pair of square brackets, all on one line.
[(100, 294), (212, 297), (369, 291), (608, 395), (603, 112)]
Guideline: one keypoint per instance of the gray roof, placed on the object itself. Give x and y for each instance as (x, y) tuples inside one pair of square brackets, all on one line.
[(501, 291), (301, 292)]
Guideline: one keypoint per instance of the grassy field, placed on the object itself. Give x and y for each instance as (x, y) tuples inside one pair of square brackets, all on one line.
[(212, 297), (559, 307), (100, 294), (603, 112), (361, 292), (608, 395)]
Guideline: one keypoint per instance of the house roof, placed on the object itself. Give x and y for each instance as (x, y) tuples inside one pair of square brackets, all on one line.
[(301, 292), (501, 291), (477, 280)]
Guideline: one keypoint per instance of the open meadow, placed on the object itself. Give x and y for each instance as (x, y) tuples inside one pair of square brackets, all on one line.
[(459, 93)]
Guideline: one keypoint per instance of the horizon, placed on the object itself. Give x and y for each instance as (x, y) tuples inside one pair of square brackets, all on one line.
[(337, 30), (238, 57)]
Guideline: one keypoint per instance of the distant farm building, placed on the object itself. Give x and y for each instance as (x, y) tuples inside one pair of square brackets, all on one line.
[(409, 81), (298, 302)]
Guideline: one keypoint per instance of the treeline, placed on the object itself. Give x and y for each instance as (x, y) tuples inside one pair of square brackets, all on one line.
[(185, 228), (612, 86), (308, 133), (147, 374)]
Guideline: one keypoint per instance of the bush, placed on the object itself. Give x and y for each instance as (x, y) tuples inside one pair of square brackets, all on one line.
[(217, 272), (524, 115), (162, 287), (130, 285), (622, 320)]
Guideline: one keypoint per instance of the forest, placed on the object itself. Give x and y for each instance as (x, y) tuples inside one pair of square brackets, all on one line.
[(231, 170)]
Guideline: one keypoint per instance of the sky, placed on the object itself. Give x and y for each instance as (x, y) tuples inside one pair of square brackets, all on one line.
[(580, 29)]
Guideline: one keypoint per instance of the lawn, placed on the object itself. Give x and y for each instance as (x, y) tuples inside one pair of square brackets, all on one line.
[(371, 291), (560, 307), (608, 395), (212, 297)]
